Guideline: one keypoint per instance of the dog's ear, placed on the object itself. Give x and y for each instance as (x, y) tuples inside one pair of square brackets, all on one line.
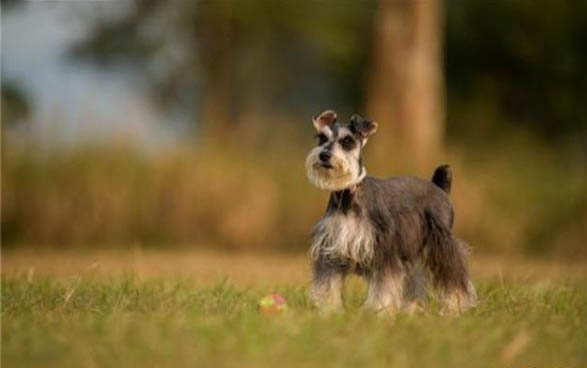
[(326, 118), (362, 126)]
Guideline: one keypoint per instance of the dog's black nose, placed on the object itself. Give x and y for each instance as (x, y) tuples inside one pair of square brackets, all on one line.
[(324, 156)]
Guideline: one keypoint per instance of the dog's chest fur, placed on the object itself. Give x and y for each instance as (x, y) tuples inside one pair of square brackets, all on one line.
[(344, 236)]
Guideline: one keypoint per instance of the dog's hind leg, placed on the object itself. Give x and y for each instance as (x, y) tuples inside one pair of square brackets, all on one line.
[(447, 260), (458, 299), (385, 291), (415, 286)]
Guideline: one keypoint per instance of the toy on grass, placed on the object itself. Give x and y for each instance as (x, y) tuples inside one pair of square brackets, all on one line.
[(272, 303)]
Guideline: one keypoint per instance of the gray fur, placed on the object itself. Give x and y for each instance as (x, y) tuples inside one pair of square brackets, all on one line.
[(392, 232)]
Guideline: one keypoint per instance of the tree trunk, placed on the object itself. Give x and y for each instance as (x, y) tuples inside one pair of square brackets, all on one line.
[(214, 30), (405, 92)]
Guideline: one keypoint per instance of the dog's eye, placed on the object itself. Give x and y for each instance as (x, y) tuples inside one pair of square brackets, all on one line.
[(347, 143), (322, 138)]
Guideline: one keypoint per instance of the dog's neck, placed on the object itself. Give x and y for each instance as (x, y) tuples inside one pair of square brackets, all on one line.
[(352, 186), (359, 180), (344, 200)]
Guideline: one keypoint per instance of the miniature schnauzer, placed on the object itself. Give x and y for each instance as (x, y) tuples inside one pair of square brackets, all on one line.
[(396, 233)]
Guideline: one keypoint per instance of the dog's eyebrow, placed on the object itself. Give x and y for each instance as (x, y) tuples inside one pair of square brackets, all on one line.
[(345, 132), (329, 132)]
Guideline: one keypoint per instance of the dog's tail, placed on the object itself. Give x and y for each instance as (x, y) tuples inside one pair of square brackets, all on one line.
[(443, 177)]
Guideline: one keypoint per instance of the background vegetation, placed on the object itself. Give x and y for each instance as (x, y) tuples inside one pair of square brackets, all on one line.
[(508, 113)]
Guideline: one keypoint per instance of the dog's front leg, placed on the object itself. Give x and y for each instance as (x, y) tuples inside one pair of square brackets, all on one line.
[(327, 284)]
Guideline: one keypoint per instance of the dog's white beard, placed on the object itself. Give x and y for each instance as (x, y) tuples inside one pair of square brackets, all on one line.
[(343, 174)]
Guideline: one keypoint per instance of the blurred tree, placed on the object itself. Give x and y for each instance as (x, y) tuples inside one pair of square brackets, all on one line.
[(15, 104), (405, 89), (507, 63), (517, 63), (6, 4), (15, 108), (224, 57), (214, 27)]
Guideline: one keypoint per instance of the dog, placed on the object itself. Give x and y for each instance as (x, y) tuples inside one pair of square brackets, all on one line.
[(395, 233)]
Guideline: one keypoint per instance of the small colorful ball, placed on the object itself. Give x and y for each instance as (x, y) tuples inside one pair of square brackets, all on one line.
[(272, 303)]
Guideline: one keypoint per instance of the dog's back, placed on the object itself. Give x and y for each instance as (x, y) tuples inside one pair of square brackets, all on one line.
[(407, 196)]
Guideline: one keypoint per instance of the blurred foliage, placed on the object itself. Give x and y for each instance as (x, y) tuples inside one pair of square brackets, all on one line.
[(235, 196), (113, 195), (521, 61), (15, 104), (255, 50), (516, 98), (6, 4), (507, 63)]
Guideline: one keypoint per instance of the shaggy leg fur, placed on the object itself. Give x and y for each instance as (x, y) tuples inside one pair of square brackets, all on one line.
[(326, 288), (447, 261), (456, 300), (415, 286), (385, 291)]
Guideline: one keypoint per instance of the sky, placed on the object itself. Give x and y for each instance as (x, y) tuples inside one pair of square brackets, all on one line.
[(74, 102)]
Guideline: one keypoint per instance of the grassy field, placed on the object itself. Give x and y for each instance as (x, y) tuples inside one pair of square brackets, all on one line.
[(191, 309)]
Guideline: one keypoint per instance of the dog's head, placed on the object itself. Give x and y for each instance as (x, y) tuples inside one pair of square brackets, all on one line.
[(335, 163)]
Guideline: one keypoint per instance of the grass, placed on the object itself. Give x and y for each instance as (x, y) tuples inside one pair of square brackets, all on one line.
[(125, 319)]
